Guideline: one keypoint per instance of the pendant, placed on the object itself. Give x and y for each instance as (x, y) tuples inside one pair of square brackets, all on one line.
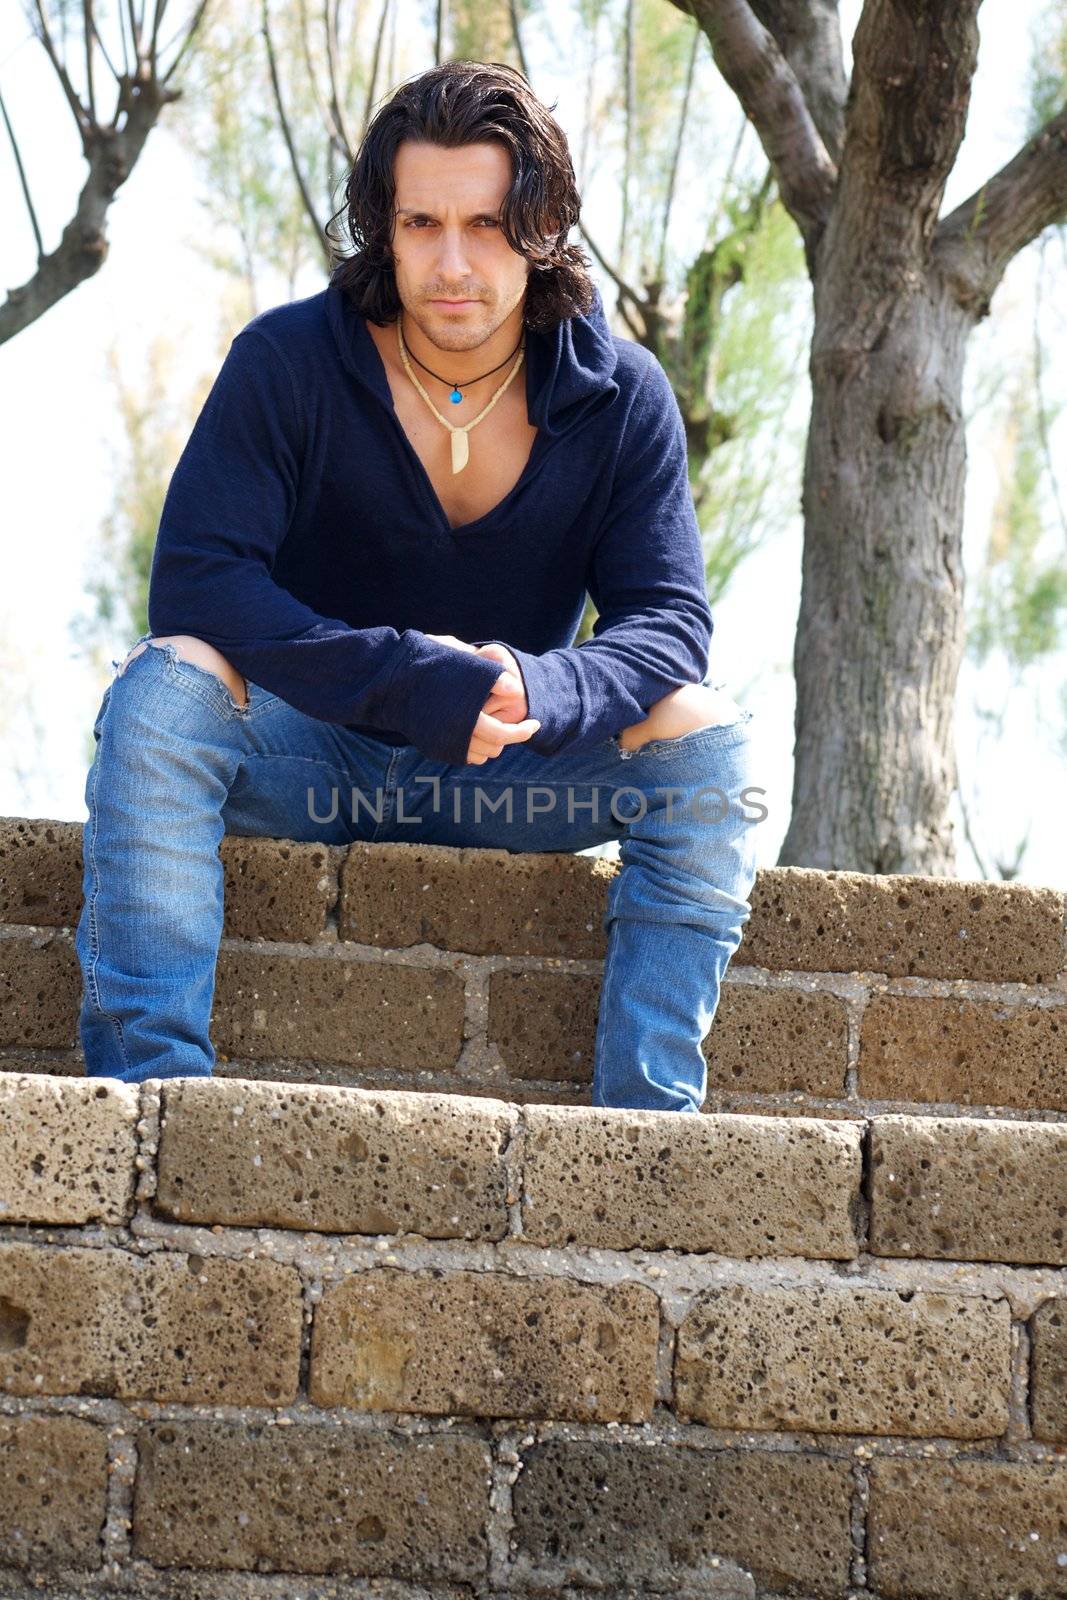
[(455, 396), (460, 450)]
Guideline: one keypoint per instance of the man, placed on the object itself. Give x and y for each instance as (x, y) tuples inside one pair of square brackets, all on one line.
[(373, 555)]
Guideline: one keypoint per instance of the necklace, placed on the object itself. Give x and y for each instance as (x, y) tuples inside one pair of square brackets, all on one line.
[(457, 395), (460, 446)]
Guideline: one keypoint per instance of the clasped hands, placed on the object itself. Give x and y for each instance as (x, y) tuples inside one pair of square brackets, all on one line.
[(505, 719)]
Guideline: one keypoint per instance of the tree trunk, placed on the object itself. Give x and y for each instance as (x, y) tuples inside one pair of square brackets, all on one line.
[(880, 633), (897, 291)]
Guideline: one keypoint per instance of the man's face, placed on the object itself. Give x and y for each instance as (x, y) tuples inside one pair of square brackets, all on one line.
[(448, 243)]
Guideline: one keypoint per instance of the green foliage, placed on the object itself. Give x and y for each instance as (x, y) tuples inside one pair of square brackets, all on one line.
[(752, 342), (1047, 73), (1020, 605)]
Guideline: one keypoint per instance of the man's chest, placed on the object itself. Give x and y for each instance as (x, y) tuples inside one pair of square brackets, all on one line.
[(499, 448)]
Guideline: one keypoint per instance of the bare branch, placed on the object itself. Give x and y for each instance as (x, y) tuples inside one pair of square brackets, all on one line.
[(516, 33), (87, 30), (153, 43), (661, 267), (808, 33), (625, 292), (630, 98), (100, 43), (22, 179), (126, 62), (81, 116), (135, 31), (111, 152), (332, 52), (751, 62), (287, 135), (975, 243), (333, 133), (198, 17), (372, 82)]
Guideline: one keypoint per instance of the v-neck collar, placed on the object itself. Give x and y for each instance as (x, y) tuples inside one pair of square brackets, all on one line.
[(569, 375), (377, 380)]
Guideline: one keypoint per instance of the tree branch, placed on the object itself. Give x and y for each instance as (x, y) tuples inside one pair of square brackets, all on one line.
[(913, 62), (516, 34), (332, 52), (975, 243), (22, 178), (111, 153), (808, 33), (625, 292), (287, 135), (372, 82), (81, 116), (752, 63)]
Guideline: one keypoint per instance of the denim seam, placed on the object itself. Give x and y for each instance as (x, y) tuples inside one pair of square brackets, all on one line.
[(714, 733), (608, 978), (389, 794), (94, 943), (230, 711)]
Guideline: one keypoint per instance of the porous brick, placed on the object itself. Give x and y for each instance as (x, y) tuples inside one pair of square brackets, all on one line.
[(483, 901), (320, 1007), (103, 1321), (969, 1189), (845, 1360), (53, 1492), (1048, 1370), (40, 871), (67, 1148), (904, 925), (661, 1515), (40, 989), (967, 1530), (964, 1052), (736, 1185), (544, 1024), (488, 1344), (276, 888), (777, 1041), (245, 1496), (335, 1159)]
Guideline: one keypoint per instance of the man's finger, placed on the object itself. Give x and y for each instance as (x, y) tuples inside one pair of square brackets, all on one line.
[(497, 732), (490, 735)]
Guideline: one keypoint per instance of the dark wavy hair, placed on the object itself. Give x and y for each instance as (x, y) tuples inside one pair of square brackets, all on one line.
[(458, 103)]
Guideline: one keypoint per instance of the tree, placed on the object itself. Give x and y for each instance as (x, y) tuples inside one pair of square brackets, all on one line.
[(110, 150), (861, 167)]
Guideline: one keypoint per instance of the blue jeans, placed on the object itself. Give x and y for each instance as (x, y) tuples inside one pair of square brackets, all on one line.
[(178, 763)]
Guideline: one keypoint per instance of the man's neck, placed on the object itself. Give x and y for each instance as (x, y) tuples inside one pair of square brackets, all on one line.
[(454, 366)]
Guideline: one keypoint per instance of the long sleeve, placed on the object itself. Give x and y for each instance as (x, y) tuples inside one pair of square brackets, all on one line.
[(647, 581), (228, 507)]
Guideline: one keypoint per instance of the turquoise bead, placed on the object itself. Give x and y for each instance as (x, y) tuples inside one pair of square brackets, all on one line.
[(455, 397)]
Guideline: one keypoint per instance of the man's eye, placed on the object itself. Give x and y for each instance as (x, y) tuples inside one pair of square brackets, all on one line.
[(416, 221)]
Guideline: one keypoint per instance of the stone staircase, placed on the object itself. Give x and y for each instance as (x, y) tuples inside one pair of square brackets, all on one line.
[(387, 1307)]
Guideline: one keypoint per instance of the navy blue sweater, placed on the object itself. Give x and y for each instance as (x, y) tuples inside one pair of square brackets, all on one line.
[(302, 536)]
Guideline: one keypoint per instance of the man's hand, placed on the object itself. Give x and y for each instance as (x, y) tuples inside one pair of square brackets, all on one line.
[(503, 719)]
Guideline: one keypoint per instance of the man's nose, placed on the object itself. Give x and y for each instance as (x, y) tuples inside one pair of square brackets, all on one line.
[(452, 256)]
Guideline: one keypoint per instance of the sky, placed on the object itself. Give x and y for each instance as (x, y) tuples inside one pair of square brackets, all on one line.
[(63, 442)]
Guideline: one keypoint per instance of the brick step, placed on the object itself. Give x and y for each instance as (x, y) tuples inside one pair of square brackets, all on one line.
[(251, 1328), (479, 971)]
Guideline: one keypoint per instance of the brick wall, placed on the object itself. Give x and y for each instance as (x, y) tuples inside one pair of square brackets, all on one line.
[(388, 1307)]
